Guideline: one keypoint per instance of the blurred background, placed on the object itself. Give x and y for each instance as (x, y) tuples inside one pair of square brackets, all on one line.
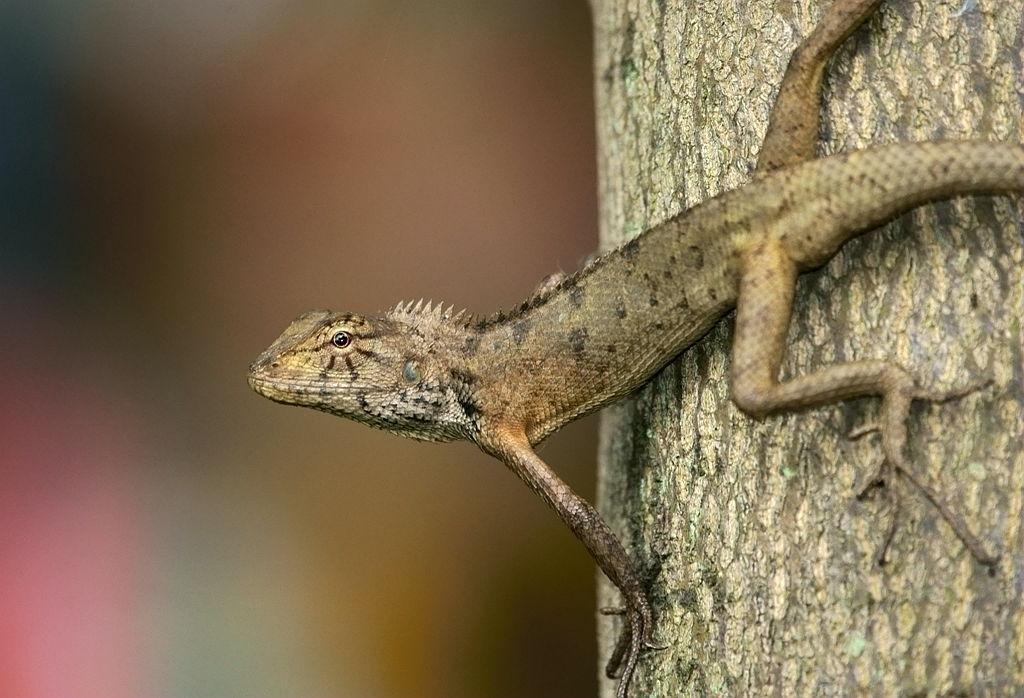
[(178, 179)]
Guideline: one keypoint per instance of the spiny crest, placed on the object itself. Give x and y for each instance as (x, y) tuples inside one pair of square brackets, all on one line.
[(549, 287), (427, 317)]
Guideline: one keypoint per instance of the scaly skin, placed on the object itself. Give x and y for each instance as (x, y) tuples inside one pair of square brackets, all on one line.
[(509, 380)]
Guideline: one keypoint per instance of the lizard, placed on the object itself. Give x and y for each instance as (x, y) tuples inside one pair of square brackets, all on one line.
[(507, 380)]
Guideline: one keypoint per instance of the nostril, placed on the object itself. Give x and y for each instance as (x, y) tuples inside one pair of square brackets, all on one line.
[(274, 364)]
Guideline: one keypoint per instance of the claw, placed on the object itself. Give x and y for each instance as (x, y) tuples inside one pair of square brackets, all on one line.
[(612, 668)]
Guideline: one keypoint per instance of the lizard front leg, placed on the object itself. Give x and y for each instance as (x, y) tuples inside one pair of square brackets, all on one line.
[(762, 320), (512, 447)]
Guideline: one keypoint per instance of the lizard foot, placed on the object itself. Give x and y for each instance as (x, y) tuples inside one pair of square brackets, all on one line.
[(634, 638), (648, 646), (933, 396), (893, 430), (620, 611)]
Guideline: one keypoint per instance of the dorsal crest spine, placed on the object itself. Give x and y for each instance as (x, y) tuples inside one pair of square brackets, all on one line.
[(427, 315)]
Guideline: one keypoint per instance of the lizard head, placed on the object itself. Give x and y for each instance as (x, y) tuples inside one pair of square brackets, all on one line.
[(394, 372)]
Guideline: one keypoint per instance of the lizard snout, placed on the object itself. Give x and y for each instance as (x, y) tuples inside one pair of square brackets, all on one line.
[(262, 370), (263, 365)]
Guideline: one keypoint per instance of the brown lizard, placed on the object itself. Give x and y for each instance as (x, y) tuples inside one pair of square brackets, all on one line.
[(508, 380)]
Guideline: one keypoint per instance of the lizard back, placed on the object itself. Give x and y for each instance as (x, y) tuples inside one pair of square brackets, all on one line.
[(603, 331)]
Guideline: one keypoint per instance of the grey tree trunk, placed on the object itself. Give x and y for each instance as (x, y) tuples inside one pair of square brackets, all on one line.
[(766, 576)]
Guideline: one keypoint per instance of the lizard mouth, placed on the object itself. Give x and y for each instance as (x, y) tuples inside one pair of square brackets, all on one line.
[(260, 384), (292, 387), (259, 380), (264, 385), (287, 391), (267, 378)]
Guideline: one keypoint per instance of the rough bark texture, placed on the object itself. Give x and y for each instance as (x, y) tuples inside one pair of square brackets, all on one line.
[(768, 581)]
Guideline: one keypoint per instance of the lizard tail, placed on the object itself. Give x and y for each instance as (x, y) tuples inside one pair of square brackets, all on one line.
[(849, 194)]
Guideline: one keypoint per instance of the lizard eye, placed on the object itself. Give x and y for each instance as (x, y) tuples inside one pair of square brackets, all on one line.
[(341, 339)]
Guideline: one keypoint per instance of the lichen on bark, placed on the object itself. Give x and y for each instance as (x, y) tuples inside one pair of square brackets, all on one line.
[(762, 559)]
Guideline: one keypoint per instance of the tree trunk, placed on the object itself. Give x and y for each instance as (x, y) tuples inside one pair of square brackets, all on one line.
[(762, 559)]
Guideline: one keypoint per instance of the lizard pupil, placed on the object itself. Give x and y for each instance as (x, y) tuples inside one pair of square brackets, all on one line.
[(341, 339)]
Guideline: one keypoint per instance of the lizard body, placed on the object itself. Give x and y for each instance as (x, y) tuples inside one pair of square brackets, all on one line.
[(614, 324), (508, 380)]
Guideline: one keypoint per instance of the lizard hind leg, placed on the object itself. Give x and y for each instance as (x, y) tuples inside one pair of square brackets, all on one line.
[(794, 123), (767, 284)]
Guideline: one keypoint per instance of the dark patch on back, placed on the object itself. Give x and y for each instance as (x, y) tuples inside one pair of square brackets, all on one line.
[(611, 348), (651, 282), (520, 329), (576, 295), (653, 301), (578, 341), (620, 309), (631, 249), (696, 257), (471, 345)]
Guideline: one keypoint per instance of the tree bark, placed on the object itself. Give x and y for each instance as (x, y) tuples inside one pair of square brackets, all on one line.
[(763, 565)]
